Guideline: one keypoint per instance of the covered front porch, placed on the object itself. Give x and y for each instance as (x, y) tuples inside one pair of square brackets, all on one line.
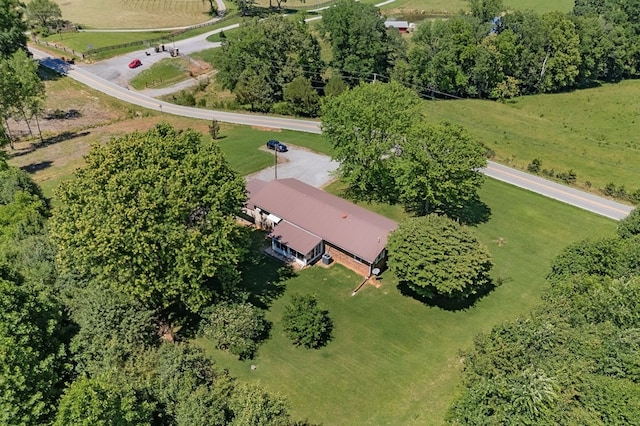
[(295, 243)]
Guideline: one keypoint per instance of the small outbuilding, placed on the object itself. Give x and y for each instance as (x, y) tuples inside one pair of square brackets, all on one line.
[(306, 223), (402, 26)]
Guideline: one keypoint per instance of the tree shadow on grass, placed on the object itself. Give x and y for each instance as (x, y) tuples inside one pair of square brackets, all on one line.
[(474, 212), (263, 276), (64, 136), (36, 167), (447, 303)]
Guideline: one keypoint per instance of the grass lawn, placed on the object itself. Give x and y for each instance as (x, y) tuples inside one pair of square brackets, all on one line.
[(592, 131), (241, 146), (394, 360), (164, 73)]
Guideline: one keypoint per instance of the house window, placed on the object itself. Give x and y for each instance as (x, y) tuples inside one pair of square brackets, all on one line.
[(297, 255), (359, 259)]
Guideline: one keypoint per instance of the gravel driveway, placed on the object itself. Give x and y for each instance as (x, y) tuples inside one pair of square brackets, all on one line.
[(302, 164)]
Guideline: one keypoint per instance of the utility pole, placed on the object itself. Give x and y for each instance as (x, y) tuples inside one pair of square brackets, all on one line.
[(275, 161)]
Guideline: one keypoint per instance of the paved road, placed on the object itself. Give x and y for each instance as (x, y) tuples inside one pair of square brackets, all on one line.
[(565, 194), (581, 199)]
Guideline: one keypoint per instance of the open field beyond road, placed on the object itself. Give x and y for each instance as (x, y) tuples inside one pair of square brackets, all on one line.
[(134, 13), (592, 131)]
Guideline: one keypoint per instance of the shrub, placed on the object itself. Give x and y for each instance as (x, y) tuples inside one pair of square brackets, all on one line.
[(184, 98), (534, 166), (305, 323), (630, 225), (567, 177), (214, 129), (236, 328)]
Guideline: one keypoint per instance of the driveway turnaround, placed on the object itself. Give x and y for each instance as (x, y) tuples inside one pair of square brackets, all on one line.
[(300, 163)]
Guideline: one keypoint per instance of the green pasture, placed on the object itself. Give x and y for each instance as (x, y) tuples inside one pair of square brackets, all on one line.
[(592, 131), (164, 73), (394, 360), (210, 56)]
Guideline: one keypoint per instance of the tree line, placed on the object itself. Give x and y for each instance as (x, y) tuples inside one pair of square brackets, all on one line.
[(497, 54), (275, 64), (574, 360)]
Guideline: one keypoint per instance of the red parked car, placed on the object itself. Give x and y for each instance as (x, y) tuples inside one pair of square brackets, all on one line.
[(135, 63)]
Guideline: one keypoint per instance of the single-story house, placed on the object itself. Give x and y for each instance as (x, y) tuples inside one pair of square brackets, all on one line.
[(402, 26), (306, 222)]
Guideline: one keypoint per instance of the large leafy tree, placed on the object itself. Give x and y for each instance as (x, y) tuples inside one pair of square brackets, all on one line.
[(12, 27), (24, 242), (44, 13), (364, 125), (560, 66), (22, 91), (437, 168), (112, 329), (32, 353), (359, 41), (102, 401), (153, 215), (486, 10), (630, 225), (436, 257), (265, 56), (301, 97), (443, 55), (387, 153)]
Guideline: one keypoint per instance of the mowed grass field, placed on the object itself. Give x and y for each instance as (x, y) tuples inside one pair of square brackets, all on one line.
[(134, 13), (592, 131), (394, 360)]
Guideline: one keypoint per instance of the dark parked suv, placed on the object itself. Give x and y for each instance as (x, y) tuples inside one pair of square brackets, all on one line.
[(276, 145)]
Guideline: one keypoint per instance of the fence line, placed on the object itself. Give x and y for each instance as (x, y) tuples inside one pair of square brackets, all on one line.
[(153, 40)]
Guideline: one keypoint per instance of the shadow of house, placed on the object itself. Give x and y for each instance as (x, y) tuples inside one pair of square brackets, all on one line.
[(263, 276)]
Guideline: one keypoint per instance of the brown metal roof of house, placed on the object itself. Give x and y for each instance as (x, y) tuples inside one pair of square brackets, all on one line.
[(297, 238), (346, 225)]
